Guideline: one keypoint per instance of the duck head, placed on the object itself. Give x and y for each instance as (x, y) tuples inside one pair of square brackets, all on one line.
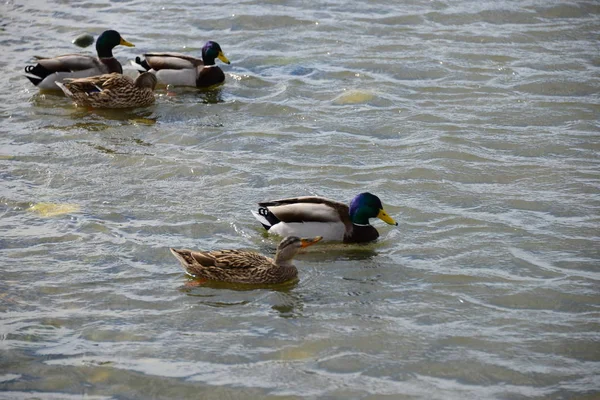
[(107, 41), (212, 50), (366, 206), (289, 247), (146, 80)]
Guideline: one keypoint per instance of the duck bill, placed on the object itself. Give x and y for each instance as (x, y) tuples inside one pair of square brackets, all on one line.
[(311, 241), (222, 57), (386, 218), (124, 42)]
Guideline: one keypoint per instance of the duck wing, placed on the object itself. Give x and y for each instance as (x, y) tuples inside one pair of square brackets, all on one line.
[(221, 259), (158, 61), (70, 63), (99, 83), (307, 209)]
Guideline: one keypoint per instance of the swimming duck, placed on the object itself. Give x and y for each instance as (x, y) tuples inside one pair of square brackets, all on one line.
[(111, 90), (311, 215), (238, 266), (50, 70), (182, 70)]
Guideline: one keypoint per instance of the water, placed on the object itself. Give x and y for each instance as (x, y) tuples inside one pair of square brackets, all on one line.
[(475, 122)]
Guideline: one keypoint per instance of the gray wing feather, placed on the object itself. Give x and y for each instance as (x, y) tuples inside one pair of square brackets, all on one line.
[(160, 61), (71, 62), (307, 209)]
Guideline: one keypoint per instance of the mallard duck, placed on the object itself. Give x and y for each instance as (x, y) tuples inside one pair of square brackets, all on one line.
[(311, 215), (238, 266), (182, 70), (111, 90), (50, 70)]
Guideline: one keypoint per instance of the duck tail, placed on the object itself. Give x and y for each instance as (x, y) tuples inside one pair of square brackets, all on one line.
[(141, 65), (178, 253), (183, 255), (36, 73), (265, 217), (35, 81)]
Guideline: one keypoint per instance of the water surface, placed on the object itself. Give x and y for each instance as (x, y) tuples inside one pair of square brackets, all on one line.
[(476, 123)]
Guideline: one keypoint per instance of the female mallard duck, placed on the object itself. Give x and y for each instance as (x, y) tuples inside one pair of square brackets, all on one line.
[(311, 215), (183, 70), (111, 90), (50, 70), (238, 266)]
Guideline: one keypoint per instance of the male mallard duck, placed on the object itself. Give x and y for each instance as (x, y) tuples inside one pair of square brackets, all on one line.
[(50, 70), (111, 90), (238, 266), (182, 70), (311, 215)]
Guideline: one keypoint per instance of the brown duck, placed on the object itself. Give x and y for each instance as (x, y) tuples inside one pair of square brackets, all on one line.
[(111, 90), (238, 266)]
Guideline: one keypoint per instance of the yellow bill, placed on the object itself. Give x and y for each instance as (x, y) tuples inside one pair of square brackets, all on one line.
[(386, 218), (124, 42), (222, 57)]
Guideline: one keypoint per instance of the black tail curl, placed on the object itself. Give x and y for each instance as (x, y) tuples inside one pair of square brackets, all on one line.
[(36, 73), (143, 63), (269, 216)]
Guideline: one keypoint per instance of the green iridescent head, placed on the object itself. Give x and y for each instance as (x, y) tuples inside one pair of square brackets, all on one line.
[(366, 206), (211, 51), (109, 40)]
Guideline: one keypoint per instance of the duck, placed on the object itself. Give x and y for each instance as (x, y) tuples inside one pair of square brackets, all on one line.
[(333, 220), (183, 70), (111, 90), (248, 267), (50, 70)]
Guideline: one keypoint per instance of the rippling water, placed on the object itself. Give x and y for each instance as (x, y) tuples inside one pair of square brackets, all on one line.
[(475, 122)]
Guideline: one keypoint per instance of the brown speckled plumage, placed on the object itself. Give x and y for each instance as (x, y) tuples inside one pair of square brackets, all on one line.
[(111, 90), (239, 266)]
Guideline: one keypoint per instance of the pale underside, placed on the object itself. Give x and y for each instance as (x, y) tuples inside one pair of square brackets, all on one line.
[(331, 231), (307, 212), (49, 83), (177, 77)]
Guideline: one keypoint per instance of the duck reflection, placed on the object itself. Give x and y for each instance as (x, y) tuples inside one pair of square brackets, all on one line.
[(187, 95), (331, 252), (288, 304), (282, 298), (193, 284), (56, 99)]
